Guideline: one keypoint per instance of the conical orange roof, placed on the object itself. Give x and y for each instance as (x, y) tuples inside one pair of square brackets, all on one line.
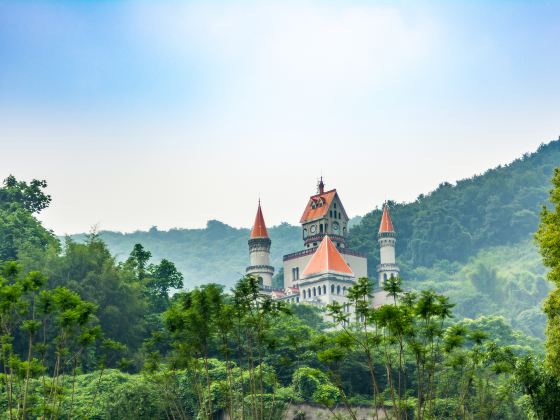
[(386, 223), (259, 228), (327, 259)]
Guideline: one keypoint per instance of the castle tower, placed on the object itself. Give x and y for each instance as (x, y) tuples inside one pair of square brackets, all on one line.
[(324, 215), (259, 252), (386, 238)]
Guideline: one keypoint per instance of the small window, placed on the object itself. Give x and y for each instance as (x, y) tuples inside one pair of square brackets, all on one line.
[(335, 205), (385, 276), (314, 243), (304, 294), (324, 289), (338, 290), (332, 289), (330, 213), (339, 215), (319, 291), (314, 291)]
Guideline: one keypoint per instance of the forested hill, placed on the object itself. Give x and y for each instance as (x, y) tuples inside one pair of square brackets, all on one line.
[(217, 254), (454, 222)]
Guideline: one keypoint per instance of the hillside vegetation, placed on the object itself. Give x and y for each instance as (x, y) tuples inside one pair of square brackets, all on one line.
[(87, 334), (472, 240)]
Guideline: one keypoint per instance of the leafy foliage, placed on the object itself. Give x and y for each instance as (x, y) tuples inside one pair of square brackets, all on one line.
[(548, 237), (455, 221)]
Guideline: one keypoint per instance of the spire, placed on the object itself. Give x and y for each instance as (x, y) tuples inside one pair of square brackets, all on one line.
[(259, 228), (386, 225), (321, 186), (327, 259)]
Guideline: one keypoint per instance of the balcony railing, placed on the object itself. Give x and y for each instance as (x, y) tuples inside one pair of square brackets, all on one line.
[(309, 251)]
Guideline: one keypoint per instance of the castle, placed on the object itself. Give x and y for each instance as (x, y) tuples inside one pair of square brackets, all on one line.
[(325, 268)]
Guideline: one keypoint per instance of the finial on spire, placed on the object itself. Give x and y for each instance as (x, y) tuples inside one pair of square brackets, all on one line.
[(320, 186)]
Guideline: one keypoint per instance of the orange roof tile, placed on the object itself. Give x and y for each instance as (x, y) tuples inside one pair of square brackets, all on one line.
[(259, 228), (327, 259), (326, 198), (386, 223)]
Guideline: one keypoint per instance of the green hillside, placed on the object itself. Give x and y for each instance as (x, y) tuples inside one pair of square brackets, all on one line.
[(218, 253), (471, 240)]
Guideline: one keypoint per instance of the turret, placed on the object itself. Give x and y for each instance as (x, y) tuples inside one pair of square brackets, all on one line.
[(259, 252), (386, 237)]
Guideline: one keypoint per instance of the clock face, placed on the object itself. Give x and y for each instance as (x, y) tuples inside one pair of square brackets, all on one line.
[(313, 229), (335, 226)]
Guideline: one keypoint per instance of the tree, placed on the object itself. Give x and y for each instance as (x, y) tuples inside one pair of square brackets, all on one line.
[(161, 279), (20, 231), (138, 260), (548, 239), (30, 197)]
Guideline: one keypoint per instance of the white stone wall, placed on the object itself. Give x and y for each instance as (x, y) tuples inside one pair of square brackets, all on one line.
[(357, 264), (387, 250), (300, 263), (260, 257)]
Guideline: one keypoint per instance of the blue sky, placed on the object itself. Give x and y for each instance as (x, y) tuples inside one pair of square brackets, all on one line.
[(171, 113)]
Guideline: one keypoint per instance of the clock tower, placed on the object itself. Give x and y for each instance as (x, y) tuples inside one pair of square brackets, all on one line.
[(324, 215)]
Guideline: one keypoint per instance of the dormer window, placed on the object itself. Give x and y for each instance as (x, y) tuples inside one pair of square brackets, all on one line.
[(335, 205)]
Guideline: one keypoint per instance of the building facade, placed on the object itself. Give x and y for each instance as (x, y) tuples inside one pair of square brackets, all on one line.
[(324, 268)]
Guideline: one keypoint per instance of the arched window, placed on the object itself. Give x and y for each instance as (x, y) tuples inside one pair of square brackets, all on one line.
[(344, 290), (314, 291), (319, 290), (332, 289), (385, 276), (338, 290), (324, 289), (304, 233), (321, 228), (304, 294)]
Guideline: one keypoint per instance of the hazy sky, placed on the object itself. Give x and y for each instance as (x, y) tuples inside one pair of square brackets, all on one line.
[(171, 113)]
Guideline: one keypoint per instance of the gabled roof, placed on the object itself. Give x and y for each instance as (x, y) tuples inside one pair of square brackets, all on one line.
[(318, 206), (386, 222), (327, 259), (259, 227)]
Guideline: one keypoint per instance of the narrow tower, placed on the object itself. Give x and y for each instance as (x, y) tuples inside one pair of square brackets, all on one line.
[(386, 238), (259, 252)]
